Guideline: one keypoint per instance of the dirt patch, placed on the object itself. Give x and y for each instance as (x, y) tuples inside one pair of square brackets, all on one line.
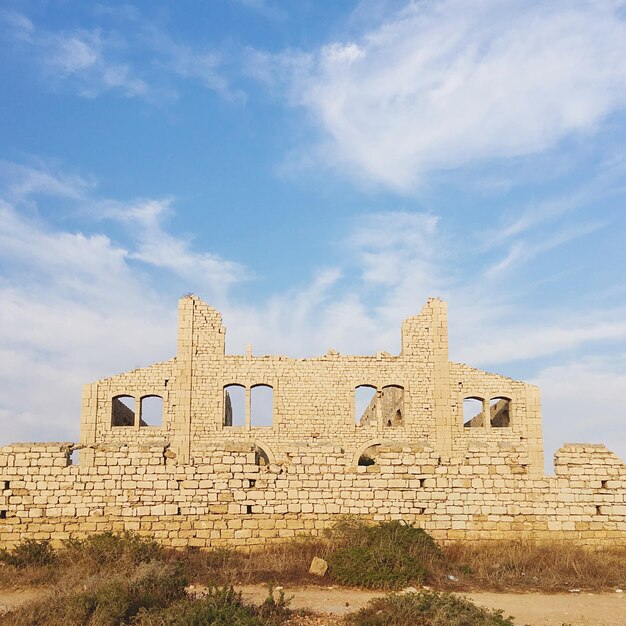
[(538, 609), (9, 600)]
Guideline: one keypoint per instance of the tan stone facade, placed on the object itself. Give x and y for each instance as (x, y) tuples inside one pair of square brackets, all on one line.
[(209, 473)]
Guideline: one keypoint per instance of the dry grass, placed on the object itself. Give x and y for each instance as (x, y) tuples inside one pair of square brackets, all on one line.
[(489, 566), (486, 566), (278, 564), (530, 566)]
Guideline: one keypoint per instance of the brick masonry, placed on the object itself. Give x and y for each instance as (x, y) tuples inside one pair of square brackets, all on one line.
[(196, 480)]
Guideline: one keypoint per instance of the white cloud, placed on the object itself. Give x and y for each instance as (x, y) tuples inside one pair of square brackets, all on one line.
[(76, 306), (583, 401), (99, 61), (158, 248), (18, 24), (442, 84), (21, 182)]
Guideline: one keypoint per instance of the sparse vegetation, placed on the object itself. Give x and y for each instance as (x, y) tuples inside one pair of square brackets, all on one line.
[(124, 578), (29, 553), (427, 608), (531, 566)]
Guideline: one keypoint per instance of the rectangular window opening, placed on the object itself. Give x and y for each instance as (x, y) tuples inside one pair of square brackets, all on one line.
[(151, 411), (251, 482), (234, 405), (605, 484), (365, 403), (598, 512), (261, 405), (7, 485), (3, 514), (248, 509), (123, 411)]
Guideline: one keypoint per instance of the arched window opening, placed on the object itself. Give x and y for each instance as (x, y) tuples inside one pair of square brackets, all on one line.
[(392, 398), (123, 411), (261, 458), (368, 456), (365, 405), (261, 405), (500, 412), (151, 411), (234, 405), (473, 413)]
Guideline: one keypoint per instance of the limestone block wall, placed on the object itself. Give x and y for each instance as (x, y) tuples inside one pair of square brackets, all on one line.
[(224, 496), (196, 479), (314, 399)]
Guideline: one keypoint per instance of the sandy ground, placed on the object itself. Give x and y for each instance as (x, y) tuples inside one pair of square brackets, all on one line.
[(11, 599), (536, 609)]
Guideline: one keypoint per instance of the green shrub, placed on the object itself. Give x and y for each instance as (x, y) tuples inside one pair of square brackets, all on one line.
[(29, 553), (106, 601), (386, 568), (110, 549), (220, 607), (426, 609), (386, 556)]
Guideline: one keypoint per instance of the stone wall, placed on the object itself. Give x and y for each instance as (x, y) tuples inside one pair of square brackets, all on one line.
[(196, 479), (226, 497), (314, 399)]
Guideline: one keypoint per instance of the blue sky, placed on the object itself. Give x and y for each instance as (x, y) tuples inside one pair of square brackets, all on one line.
[(315, 170)]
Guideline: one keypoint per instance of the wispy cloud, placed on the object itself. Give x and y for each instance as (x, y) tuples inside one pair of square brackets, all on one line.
[(79, 305), (579, 396), (87, 304), (160, 249), (20, 182), (438, 85), (98, 61)]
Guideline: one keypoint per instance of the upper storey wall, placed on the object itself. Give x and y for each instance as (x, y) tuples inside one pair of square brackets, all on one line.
[(313, 399)]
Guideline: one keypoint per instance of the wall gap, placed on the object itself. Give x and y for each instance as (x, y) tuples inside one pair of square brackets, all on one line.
[(151, 411), (261, 405), (3, 514), (72, 457), (473, 413), (234, 405), (123, 411)]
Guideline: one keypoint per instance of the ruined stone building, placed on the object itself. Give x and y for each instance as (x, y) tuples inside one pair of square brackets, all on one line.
[(210, 448)]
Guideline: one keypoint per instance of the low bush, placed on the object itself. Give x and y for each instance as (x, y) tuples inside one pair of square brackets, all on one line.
[(29, 553), (219, 607), (427, 608), (110, 549), (388, 555), (106, 601)]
